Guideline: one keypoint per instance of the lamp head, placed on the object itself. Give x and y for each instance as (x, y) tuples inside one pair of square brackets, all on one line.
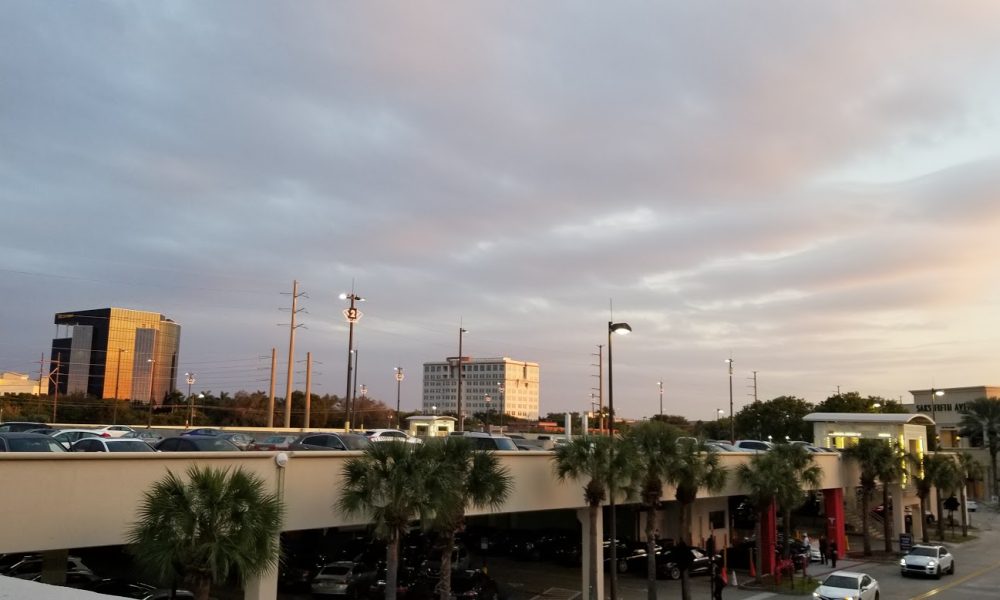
[(620, 328), (343, 296), (939, 393)]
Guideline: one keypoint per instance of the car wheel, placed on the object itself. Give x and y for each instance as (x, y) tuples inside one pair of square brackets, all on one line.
[(876, 595), (903, 573), (951, 571), (674, 573), (937, 572)]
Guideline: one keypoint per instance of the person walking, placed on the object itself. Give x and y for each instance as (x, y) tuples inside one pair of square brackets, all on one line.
[(822, 549), (833, 553), (719, 582)]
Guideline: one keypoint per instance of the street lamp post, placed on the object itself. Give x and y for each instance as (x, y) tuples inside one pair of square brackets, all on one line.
[(399, 384), (732, 421), (660, 384), (458, 396), (718, 414), (503, 404), (149, 411), (352, 315), (190, 381), (935, 394), (620, 329)]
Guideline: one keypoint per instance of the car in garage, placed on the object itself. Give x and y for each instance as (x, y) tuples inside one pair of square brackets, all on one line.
[(927, 559), (110, 445), (29, 442)]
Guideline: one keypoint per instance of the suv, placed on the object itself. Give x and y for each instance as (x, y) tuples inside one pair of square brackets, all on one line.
[(390, 435), (927, 560), (485, 441), (753, 445)]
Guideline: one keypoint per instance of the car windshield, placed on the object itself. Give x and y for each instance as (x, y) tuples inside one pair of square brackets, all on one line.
[(34, 445), (919, 551), (841, 581), (355, 443), (336, 570), (505, 444), (129, 446), (213, 444)]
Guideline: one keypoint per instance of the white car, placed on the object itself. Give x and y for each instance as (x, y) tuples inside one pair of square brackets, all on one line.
[(390, 435), (67, 437), (971, 505), (931, 560), (113, 431), (847, 585)]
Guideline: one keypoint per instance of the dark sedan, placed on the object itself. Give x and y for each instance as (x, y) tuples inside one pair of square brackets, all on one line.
[(670, 563), (28, 442), (196, 443), (21, 426), (330, 441)]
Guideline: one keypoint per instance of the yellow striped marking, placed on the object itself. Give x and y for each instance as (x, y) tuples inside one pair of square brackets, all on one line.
[(973, 575)]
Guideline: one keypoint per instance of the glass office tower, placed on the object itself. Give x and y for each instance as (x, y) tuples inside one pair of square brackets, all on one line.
[(115, 353)]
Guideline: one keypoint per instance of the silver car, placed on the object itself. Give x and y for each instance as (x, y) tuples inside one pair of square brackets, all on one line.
[(847, 585), (933, 560)]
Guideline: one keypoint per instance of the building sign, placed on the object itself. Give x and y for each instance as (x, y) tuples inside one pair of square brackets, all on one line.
[(941, 407)]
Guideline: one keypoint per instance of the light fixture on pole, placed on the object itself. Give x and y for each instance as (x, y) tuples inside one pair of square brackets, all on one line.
[(399, 384), (190, 381), (352, 314), (660, 384), (934, 438), (718, 414), (487, 399), (620, 329), (503, 404), (434, 409), (149, 411), (458, 396), (732, 421)]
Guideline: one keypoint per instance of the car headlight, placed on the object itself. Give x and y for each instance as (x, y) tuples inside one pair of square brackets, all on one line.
[(931, 563), (815, 594), (902, 562)]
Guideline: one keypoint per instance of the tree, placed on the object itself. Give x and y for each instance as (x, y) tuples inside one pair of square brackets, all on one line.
[(588, 458), (982, 417), (891, 471), (873, 456), (651, 445), (691, 467), (970, 470), (929, 472), (778, 476), (201, 530), (778, 417), (476, 479), (392, 484), (853, 402)]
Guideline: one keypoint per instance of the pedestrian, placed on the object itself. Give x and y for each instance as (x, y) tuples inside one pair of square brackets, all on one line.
[(822, 549), (719, 582), (805, 539), (833, 553)]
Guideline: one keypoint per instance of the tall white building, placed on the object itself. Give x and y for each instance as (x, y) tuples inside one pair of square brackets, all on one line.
[(488, 384)]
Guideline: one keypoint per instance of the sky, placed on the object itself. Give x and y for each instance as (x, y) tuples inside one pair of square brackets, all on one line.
[(811, 189)]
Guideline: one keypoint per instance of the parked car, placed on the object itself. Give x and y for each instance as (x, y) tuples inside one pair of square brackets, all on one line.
[(150, 436), (720, 446), (273, 442), (971, 505), (668, 562), (753, 445), (808, 446), (240, 440), (21, 426), (847, 585), (110, 445), (196, 443), (67, 437), (114, 431), (933, 560), (30, 568), (28, 442), (343, 578), (486, 441), (468, 584), (134, 589), (391, 435), (330, 441), (203, 431)]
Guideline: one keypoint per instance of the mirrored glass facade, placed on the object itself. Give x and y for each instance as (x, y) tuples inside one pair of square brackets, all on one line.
[(116, 353)]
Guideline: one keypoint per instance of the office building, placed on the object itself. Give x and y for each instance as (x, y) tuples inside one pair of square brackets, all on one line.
[(18, 383), (944, 406), (115, 353), (488, 385)]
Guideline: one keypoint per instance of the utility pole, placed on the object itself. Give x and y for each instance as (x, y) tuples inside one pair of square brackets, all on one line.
[(352, 314), (270, 397), (55, 397), (660, 383), (600, 386), (754, 378), (41, 367), (399, 385), (291, 354), (461, 417), (354, 388), (732, 416), (309, 365)]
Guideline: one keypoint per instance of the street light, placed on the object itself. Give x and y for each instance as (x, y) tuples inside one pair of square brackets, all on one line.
[(934, 438), (660, 383), (620, 329), (503, 404), (399, 384), (152, 370), (487, 399), (352, 314), (190, 381), (732, 421), (718, 414)]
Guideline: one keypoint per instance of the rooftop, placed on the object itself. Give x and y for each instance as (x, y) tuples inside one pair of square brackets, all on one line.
[(888, 418)]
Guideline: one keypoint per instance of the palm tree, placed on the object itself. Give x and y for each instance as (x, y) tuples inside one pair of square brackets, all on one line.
[(778, 477), (873, 456), (891, 471), (216, 523), (970, 470), (392, 484), (588, 458), (652, 445), (692, 466), (476, 479), (946, 478), (929, 472), (983, 415)]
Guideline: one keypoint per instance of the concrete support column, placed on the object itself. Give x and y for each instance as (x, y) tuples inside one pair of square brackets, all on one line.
[(264, 587), (833, 501), (54, 566), (583, 516), (768, 538), (898, 510)]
